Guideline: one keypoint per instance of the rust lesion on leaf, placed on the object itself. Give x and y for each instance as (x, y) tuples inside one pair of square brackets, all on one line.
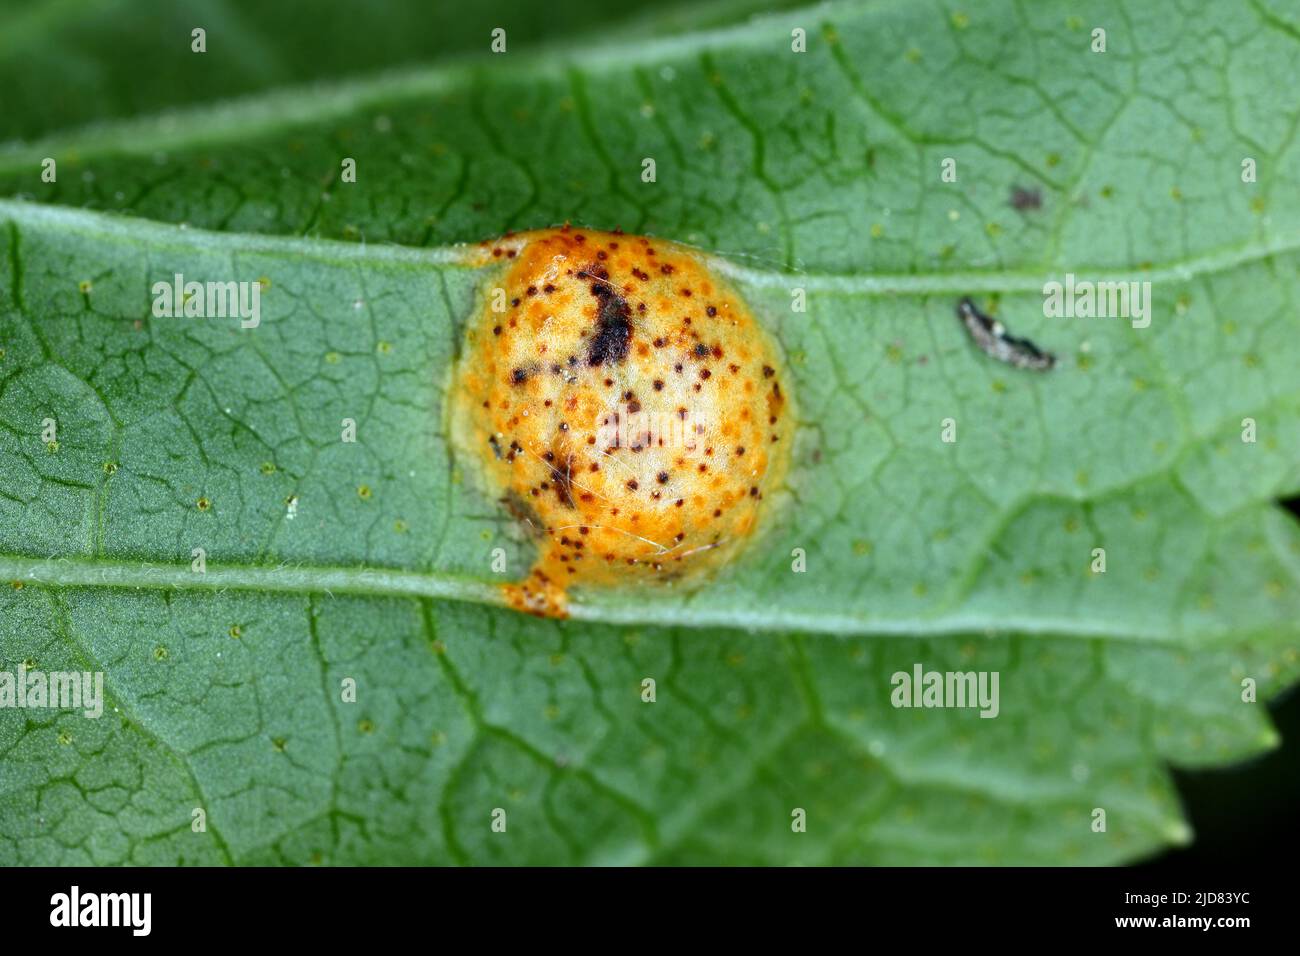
[(625, 404)]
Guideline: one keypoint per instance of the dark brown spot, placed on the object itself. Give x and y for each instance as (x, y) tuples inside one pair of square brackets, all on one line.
[(563, 484), (522, 512), (1024, 200), (613, 322)]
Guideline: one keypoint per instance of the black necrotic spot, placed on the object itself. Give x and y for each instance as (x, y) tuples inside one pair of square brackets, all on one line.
[(563, 485), (1025, 200), (613, 321)]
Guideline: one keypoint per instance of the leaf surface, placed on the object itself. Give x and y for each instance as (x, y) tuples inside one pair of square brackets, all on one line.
[(816, 171)]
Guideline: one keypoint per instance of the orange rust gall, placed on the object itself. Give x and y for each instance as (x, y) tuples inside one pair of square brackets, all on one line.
[(625, 406)]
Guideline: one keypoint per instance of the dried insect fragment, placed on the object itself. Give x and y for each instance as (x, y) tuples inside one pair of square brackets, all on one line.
[(993, 340)]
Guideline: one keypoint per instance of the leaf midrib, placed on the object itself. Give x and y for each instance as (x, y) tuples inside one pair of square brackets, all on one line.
[(182, 237), (297, 578)]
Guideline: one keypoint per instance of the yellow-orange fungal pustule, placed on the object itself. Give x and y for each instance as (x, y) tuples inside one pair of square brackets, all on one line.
[(626, 407)]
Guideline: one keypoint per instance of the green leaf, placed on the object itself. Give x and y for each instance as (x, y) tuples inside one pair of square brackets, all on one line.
[(84, 61), (817, 171)]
